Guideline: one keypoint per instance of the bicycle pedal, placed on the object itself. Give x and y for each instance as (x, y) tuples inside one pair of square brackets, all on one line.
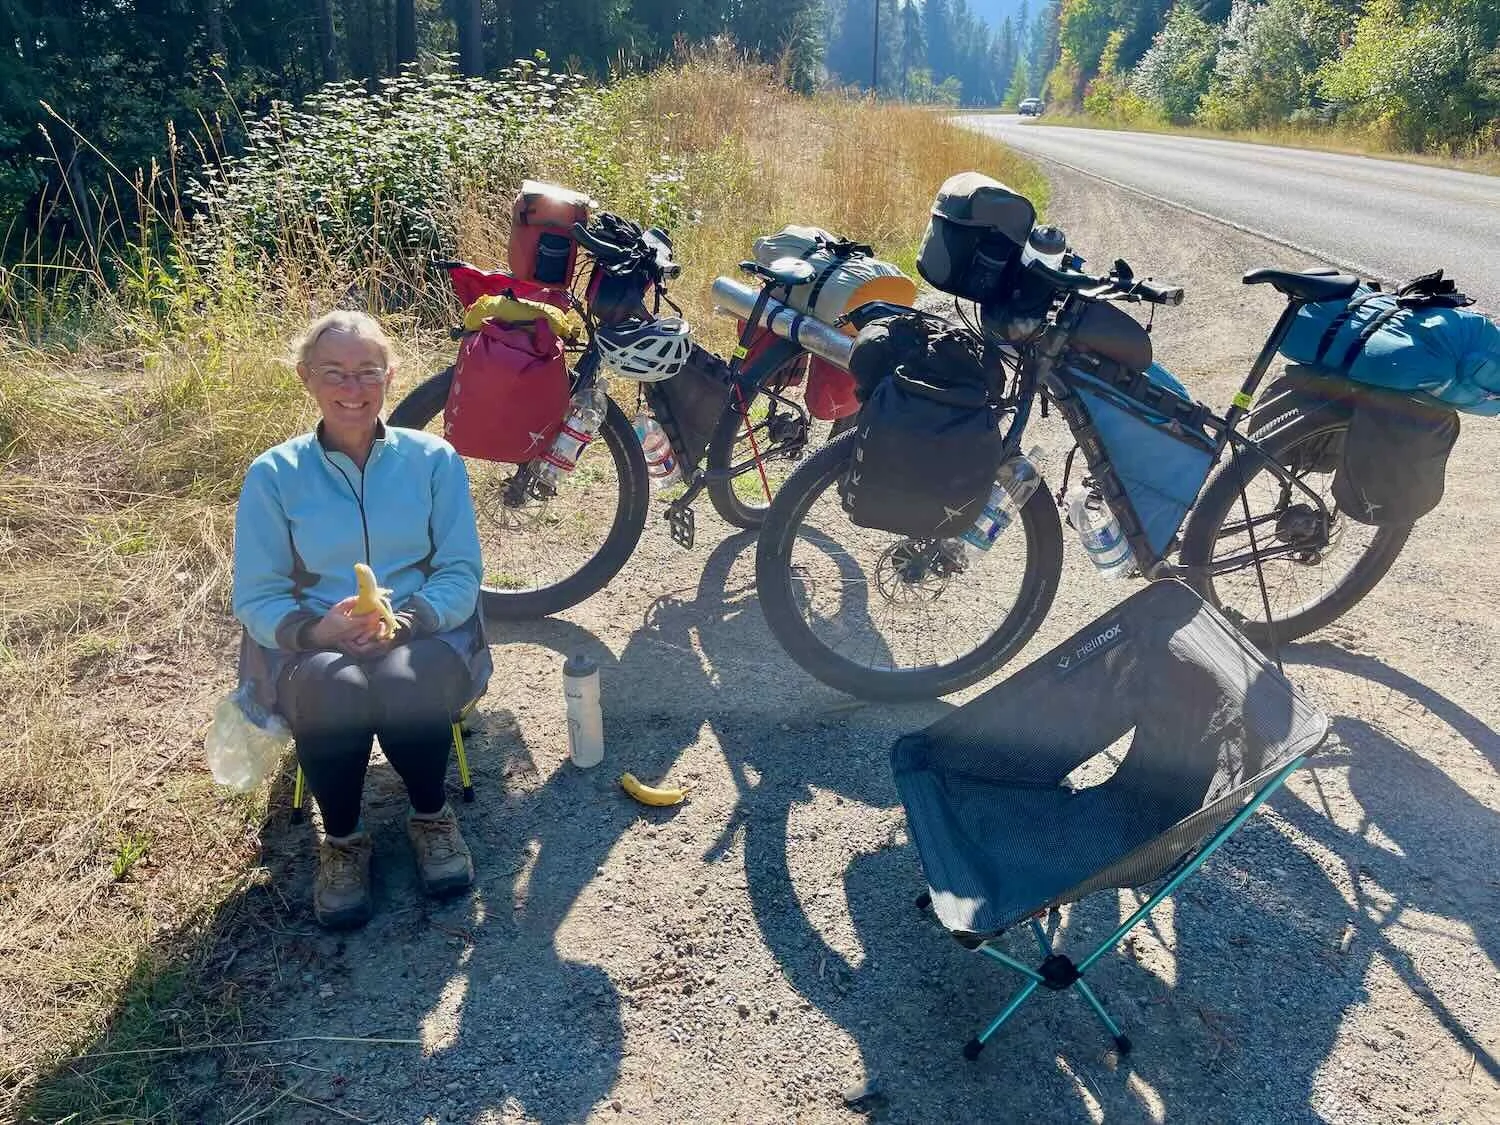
[(682, 524)]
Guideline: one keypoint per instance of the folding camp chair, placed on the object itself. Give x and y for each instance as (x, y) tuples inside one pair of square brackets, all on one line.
[(1004, 839), (299, 788)]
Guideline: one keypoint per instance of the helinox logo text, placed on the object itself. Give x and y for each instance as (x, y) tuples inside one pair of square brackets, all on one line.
[(1089, 648)]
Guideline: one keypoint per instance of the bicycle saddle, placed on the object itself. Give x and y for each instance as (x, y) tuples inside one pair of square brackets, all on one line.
[(783, 271), (1314, 285)]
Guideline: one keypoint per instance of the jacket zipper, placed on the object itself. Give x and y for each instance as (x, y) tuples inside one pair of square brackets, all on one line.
[(359, 498)]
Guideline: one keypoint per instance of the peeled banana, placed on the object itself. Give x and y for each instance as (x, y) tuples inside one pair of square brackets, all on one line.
[(372, 598), (650, 794)]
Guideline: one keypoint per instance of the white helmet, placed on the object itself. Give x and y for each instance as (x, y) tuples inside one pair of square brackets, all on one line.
[(649, 353)]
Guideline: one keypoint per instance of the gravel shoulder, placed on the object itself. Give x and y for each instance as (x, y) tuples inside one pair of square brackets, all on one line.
[(754, 952)]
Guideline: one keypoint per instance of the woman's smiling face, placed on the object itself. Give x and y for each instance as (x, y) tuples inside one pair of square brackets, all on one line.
[(348, 375)]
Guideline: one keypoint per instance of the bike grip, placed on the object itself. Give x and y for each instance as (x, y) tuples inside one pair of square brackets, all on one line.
[(592, 244), (1160, 294)]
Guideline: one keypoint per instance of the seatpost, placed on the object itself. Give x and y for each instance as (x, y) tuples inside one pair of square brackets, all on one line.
[(1246, 396), (756, 312)]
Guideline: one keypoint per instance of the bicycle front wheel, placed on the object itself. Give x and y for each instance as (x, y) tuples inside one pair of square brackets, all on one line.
[(544, 556), (885, 617)]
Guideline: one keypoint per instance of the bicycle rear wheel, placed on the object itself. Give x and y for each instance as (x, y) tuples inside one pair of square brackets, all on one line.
[(1308, 587), (544, 556), (766, 436), (889, 618)]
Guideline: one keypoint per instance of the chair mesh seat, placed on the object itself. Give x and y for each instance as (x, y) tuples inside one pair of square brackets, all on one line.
[(1209, 721)]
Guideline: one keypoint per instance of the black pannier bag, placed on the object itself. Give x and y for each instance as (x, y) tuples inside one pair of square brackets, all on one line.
[(927, 443), (972, 248), (1394, 458), (689, 404), (886, 344)]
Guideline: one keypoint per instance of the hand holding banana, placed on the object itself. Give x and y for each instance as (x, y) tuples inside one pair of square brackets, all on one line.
[(373, 598)]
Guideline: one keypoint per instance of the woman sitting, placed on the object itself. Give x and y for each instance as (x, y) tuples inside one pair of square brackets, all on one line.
[(397, 500)]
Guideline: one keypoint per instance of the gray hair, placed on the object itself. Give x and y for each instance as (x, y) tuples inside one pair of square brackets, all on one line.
[(345, 320)]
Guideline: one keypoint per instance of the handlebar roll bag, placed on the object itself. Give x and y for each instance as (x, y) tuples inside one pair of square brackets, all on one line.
[(509, 393), (542, 247), (972, 248), (845, 274)]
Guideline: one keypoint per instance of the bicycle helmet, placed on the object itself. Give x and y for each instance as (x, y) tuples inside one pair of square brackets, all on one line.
[(647, 352)]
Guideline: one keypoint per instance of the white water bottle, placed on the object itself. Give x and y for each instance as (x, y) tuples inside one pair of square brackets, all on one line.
[(585, 721), (585, 416), (1017, 479), (1100, 532), (661, 462)]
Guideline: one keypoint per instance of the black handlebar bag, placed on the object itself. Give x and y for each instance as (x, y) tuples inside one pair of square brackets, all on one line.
[(1394, 458)]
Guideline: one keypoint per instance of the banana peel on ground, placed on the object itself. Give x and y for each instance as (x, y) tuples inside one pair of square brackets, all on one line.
[(655, 796)]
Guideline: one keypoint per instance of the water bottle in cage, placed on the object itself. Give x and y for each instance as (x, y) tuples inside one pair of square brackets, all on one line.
[(1017, 480), (584, 417), (1103, 538), (661, 462)]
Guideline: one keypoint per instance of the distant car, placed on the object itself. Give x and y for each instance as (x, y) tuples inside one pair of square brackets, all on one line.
[(1031, 107)]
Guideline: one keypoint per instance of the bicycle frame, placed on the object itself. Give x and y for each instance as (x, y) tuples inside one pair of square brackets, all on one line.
[(1039, 376)]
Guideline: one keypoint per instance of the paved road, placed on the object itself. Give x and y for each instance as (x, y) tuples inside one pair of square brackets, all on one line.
[(1382, 218)]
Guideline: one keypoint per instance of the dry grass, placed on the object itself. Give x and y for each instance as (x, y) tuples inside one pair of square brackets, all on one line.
[(119, 465)]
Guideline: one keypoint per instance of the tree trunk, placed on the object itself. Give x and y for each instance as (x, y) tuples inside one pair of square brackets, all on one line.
[(525, 36), (406, 31), (328, 62), (468, 15), (213, 18)]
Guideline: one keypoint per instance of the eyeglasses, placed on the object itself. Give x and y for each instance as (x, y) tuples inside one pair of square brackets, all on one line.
[(365, 376)]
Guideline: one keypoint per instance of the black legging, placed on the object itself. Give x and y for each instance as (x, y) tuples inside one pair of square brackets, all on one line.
[(335, 704)]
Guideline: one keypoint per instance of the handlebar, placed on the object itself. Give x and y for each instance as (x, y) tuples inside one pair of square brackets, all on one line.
[(599, 249), (1120, 284)]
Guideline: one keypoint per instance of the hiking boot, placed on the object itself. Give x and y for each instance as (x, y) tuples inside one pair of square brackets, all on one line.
[(341, 892), (443, 860)]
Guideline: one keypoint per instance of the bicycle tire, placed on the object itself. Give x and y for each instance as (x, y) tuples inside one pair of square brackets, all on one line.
[(1221, 496), (777, 597), (721, 493), (426, 401)]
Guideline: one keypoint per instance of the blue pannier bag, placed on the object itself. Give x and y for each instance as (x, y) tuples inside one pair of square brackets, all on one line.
[(1147, 444), (1419, 340)]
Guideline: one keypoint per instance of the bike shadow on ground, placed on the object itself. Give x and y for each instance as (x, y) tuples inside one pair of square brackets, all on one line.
[(1250, 946)]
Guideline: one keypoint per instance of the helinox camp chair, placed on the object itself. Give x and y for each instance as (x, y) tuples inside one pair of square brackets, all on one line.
[(1002, 837)]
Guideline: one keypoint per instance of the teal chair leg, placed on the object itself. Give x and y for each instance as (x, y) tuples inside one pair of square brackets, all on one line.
[(299, 787)]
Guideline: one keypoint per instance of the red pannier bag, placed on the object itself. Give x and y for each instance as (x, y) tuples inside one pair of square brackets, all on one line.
[(542, 248), (830, 391), (509, 394)]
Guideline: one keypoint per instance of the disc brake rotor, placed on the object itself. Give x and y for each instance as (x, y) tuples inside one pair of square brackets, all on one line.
[(915, 570)]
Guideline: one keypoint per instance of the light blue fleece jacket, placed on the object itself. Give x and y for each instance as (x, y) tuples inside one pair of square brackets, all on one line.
[(307, 514)]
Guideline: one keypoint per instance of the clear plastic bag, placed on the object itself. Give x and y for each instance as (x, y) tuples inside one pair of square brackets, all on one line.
[(244, 741)]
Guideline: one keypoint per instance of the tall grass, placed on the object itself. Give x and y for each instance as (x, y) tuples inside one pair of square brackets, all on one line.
[(136, 383)]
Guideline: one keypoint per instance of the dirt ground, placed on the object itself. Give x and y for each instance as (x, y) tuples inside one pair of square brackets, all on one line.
[(752, 954)]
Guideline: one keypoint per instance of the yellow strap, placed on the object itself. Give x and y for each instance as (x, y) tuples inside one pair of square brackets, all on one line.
[(1243, 400)]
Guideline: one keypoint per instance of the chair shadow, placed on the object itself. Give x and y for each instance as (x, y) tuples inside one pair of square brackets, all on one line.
[(1252, 948)]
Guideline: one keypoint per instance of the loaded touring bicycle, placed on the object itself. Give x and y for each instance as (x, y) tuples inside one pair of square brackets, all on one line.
[(916, 555)]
